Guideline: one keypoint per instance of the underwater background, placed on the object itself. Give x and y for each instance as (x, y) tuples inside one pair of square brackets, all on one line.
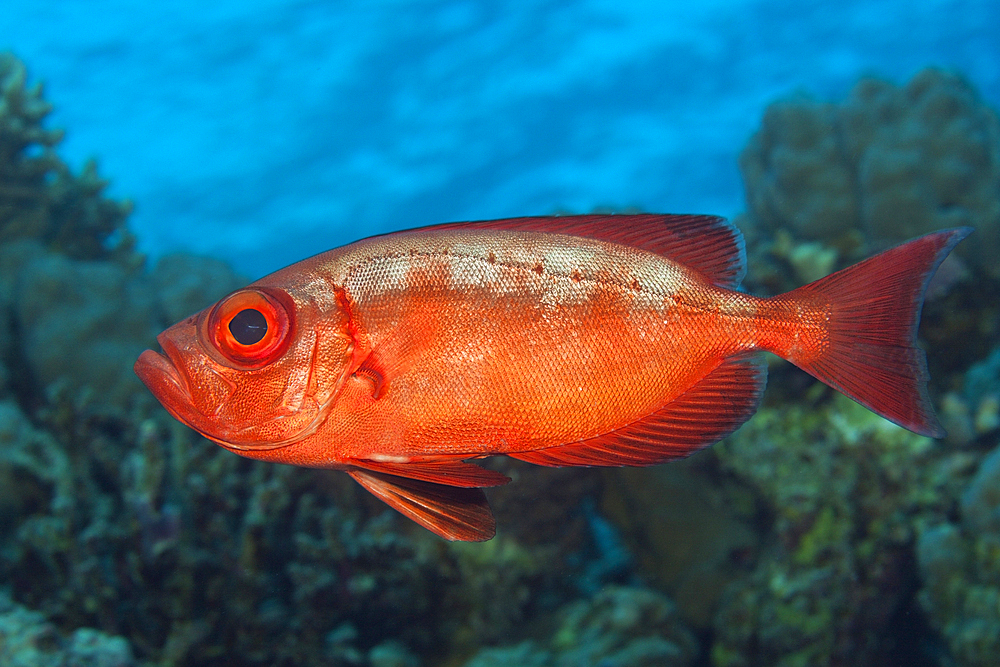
[(234, 138)]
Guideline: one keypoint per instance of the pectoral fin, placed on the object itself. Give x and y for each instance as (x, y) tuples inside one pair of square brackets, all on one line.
[(454, 513)]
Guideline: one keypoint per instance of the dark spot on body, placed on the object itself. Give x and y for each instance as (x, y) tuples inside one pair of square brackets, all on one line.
[(576, 276), (635, 285), (491, 258), (538, 268)]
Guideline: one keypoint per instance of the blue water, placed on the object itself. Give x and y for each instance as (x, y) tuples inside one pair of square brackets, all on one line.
[(265, 131)]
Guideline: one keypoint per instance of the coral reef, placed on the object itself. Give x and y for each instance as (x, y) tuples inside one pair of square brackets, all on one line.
[(78, 325), (76, 322), (960, 567), (887, 164), (28, 640), (619, 627), (192, 553), (863, 518), (692, 533), (861, 557), (184, 284), (982, 393), (847, 492)]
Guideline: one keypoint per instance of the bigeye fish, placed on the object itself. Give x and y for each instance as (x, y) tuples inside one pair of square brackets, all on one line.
[(594, 340)]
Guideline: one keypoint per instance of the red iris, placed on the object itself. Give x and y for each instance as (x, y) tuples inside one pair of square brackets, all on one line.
[(251, 327)]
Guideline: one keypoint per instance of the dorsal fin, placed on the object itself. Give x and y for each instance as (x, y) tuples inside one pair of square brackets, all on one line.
[(709, 244), (714, 407)]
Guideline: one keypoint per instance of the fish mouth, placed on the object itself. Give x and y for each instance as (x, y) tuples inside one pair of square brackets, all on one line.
[(165, 376), (162, 376)]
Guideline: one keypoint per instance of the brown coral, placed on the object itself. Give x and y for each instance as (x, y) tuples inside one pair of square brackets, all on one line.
[(891, 162)]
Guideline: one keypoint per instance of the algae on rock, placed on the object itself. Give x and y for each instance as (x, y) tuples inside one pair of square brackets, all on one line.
[(848, 492), (28, 640), (620, 626), (692, 533), (960, 567)]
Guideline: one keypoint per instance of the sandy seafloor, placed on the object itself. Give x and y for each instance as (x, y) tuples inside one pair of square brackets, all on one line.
[(264, 131)]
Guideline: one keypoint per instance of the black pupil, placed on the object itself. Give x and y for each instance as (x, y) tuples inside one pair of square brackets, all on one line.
[(248, 327)]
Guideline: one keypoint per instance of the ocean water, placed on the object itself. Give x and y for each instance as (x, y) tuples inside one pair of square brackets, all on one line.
[(265, 131)]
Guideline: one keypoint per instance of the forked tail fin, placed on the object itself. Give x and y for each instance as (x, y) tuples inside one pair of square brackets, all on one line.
[(871, 353)]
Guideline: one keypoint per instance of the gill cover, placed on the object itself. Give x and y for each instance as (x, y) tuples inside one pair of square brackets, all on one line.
[(260, 369)]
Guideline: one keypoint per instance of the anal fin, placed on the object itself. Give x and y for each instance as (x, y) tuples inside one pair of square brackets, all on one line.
[(454, 513), (714, 407)]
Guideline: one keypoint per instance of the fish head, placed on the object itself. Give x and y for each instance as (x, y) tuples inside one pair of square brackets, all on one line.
[(257, 371)]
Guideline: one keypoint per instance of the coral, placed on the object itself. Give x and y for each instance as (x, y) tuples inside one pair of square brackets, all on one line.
[(847, 492), (192, 553), (982, 393), (980, 502), (543, 505), (525, 654), (391, 654), (794, 174), (72, 314), (28, 640), (500, 578), (690, 531), (79, 324), (40, 198), (619, 626), (960, 566), (826, 185), (889, 163), (34, 476), (217, 539), (974, 411), (810, 260)]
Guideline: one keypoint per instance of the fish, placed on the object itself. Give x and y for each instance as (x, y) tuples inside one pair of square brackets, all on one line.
[(584, 340)]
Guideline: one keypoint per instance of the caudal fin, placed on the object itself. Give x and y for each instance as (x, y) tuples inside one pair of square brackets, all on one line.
[(874, 308)]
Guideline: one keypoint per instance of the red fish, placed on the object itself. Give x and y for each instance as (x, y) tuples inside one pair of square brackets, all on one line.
[(588, 340)]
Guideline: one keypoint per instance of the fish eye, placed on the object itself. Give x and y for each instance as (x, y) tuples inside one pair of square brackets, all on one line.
[(252, 327)]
